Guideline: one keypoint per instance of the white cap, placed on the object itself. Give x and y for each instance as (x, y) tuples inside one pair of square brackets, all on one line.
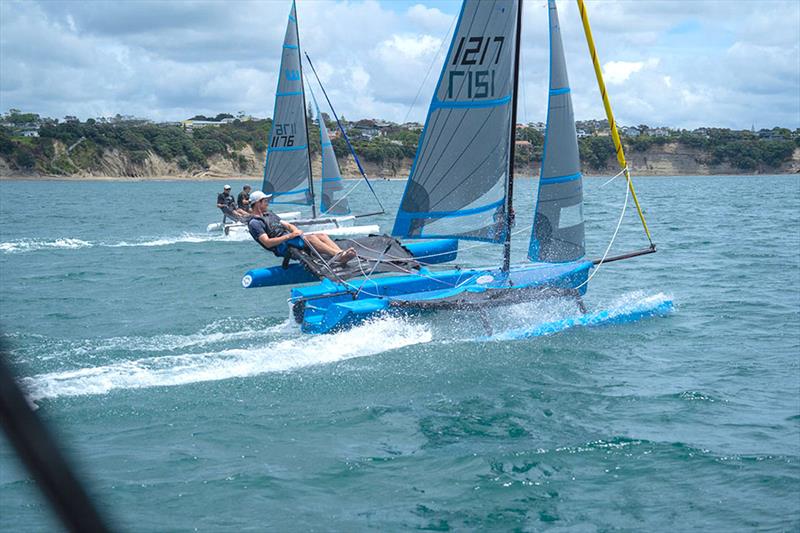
[(227, 187), (257, 196)]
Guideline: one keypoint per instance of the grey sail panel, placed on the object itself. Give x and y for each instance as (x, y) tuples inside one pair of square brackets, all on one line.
[(457, 186), (287, 171), (558, 231), (331, 175)]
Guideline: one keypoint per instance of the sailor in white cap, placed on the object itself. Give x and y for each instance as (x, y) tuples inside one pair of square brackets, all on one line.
[(227, 204), (277, 236)]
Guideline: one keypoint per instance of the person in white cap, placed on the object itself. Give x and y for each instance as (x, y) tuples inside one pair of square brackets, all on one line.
[(227, 204), (277, 236)]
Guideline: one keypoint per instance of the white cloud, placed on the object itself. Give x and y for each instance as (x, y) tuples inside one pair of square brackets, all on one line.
[(408, 47), (681, 64), (428, 18), (359, 78), (617, 72)]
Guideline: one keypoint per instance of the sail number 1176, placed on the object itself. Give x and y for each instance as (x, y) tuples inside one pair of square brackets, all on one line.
[(283, 135)]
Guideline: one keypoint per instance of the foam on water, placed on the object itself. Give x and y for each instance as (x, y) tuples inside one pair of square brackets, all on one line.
[(627, 308), (33, 245), (277, 356)]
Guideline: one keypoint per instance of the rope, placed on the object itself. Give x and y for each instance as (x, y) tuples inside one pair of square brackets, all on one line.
[(613, 237), (367, 276), (620, 173), (417, 258), (345, 195), (324, 262)]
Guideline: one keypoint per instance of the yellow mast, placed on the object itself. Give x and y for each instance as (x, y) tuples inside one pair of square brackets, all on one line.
[(610, 115)]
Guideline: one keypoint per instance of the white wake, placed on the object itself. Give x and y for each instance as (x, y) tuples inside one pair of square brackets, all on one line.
[(276, 356)]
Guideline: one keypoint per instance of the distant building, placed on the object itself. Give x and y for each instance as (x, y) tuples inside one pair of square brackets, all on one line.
[(191, 124), (412, 126), (523, 144), (630, 131), (366, 128)]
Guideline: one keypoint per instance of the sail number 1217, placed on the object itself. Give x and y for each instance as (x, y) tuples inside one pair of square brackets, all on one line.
[(475, 51)]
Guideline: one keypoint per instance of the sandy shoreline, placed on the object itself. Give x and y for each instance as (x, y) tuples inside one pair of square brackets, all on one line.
[(257, 179)]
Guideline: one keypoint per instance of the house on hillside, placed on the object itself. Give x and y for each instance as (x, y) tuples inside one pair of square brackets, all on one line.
[(366, 128), (192, 124), (630, 131), (411, 126)]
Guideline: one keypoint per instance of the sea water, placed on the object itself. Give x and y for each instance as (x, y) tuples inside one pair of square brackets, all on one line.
[(187, 403)]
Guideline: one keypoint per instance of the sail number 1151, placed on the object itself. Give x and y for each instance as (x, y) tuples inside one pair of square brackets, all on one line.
[(475, 51)]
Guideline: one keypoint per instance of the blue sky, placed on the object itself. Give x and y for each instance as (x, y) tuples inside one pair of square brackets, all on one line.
[(724, 63)]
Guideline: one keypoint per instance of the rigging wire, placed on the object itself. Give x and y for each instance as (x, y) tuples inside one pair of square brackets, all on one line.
[(356, 290), (433, 60), (616, 230), (344, 133)]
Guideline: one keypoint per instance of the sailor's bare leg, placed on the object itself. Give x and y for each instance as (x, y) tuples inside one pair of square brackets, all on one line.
[(323, 245)]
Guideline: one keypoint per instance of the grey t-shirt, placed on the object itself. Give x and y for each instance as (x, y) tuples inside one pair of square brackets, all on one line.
[(269, 223)]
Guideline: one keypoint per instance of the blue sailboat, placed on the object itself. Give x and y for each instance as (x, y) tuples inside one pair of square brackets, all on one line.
[(461, 187), (287, 168)]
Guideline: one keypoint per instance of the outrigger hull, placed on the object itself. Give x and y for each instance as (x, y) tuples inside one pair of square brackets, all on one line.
[(331, 226), (429, 252), (228, 226), (330, 306)]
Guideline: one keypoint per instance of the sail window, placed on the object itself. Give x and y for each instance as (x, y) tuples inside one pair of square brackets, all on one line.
[(570, 216)]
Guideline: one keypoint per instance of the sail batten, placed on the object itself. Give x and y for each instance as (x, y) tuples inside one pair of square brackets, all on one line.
[(558, 233), (287, 168), (457, 185)]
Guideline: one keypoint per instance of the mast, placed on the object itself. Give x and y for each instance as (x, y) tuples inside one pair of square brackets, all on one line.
[(510, 185), (587, 30), (305, 117)]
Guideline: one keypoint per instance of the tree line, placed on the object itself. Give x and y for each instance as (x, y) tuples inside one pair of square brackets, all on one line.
[(70, 146)]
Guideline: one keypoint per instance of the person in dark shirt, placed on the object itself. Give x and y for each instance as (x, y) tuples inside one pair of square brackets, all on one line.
[(272, 233), (228, 205), (243, 200)]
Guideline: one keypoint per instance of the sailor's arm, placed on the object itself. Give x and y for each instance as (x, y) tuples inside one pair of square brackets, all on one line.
[(292, 228), (271, 242)]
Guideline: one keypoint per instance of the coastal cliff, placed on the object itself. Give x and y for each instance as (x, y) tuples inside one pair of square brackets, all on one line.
[(670, 159)]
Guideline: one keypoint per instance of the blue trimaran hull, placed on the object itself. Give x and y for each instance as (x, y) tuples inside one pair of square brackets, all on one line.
[(332, 306)]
